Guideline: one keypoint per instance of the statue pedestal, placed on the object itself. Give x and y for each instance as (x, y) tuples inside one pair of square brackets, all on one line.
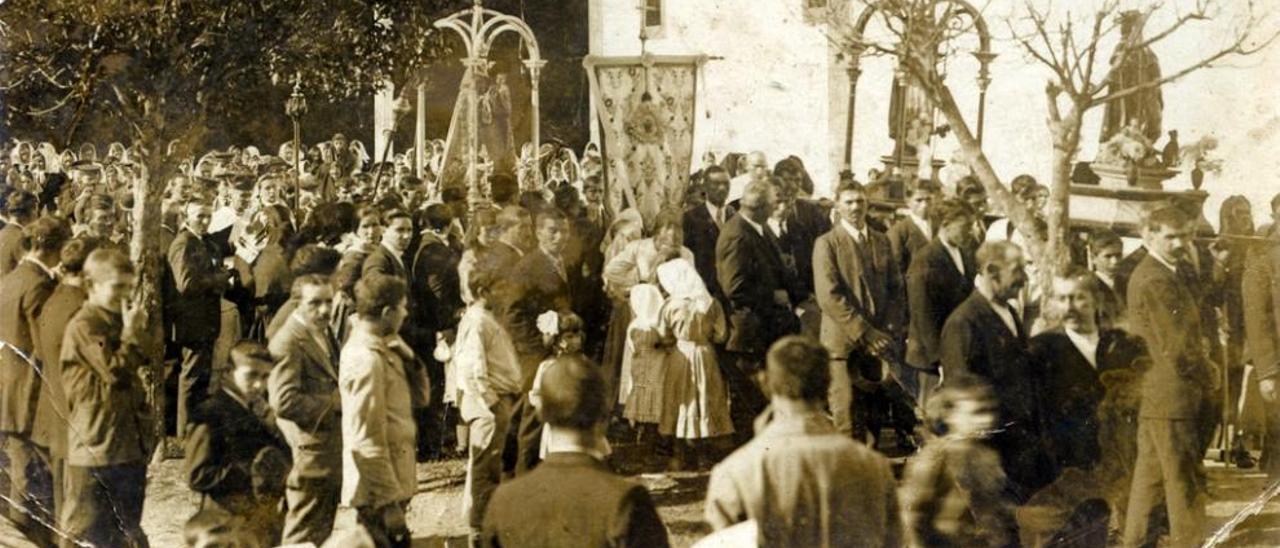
[(1117, 176), (910, 166), (1115, 204)]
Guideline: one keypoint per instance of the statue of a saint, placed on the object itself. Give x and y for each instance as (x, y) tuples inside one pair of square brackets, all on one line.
[(1133, 64), (910, 116)]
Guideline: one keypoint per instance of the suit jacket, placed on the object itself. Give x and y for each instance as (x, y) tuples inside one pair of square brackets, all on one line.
[(934, 289), (1111, 308), (109, 415), (382, 261), (584, 263), (1125, 268), (378, 429), (804, 223), (198, 282), (750, 269), (579, 503), (303, 391), (1260, 292), (1072, 389), (857, 287), (537, 287), (700, 235), (905, 238), (23, 293), (50, 427), (435, 288), (1164, 311), (977, 343), (11, 247), (221, 448), (805, 484)]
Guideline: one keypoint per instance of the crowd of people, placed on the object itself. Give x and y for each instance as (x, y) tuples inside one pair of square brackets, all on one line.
[(325, 331)]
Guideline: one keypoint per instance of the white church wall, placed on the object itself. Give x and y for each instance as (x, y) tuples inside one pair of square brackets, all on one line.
[(777, 89)]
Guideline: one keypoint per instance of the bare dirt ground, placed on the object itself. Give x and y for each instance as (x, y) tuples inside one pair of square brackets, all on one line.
[(436, 519)]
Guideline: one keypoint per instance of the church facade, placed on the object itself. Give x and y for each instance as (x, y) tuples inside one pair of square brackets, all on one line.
[(774, 79)]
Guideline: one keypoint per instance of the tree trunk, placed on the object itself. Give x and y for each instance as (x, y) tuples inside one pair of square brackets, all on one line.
[(1057, 251), (149, 259), (978, 161)]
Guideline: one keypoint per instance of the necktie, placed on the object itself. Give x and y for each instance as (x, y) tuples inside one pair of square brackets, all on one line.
[(1017, 323), (864, 257)]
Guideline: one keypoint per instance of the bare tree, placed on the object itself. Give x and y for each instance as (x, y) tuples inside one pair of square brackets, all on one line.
[(1079, 82), (921, 30)]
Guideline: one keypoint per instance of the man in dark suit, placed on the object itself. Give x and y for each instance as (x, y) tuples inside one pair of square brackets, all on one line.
[(914, 231), (797, 223), (19, 210), (303, 393), (857, 285), (235, 457), (199, 282), (435, 307), (985, 338), (1164, 311), (1260, 292), (1074, 355), (540, 285), (702, 224), (1106, 251), (1125, 268), (388, 258), (23, 293), (939, 279), (758, 287), (579, 501), (50, 427), (584, 264)]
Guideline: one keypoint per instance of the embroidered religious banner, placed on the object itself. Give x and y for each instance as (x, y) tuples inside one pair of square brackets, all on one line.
[(646, 109)]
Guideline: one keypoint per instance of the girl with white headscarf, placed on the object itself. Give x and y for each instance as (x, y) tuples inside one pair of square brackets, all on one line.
[(696, 398), (644, 360)]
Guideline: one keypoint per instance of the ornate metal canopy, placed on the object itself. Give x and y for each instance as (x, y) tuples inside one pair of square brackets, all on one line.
[(479, 27)]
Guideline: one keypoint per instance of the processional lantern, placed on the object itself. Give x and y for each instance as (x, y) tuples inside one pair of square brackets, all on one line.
[(911, 112), (479, 27), (295, 107)]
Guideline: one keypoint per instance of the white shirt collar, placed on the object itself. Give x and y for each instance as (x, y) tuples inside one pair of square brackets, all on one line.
[(1109, 281), (922, 224), (44, 267), (1086, 343), (715, 211), (956, 256), (1002, 309), (859, 235), (238, 399), (778, 225), (1162, 261), (394, 254), (759, 229)]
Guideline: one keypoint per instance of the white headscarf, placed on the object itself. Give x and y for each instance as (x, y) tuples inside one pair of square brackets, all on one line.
[(681, 280), (646, 305)]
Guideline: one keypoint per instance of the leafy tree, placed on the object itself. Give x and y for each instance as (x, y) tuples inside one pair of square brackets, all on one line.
[(165, 70)]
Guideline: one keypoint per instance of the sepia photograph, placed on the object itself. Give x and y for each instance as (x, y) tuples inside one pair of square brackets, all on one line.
[(639, 273)]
